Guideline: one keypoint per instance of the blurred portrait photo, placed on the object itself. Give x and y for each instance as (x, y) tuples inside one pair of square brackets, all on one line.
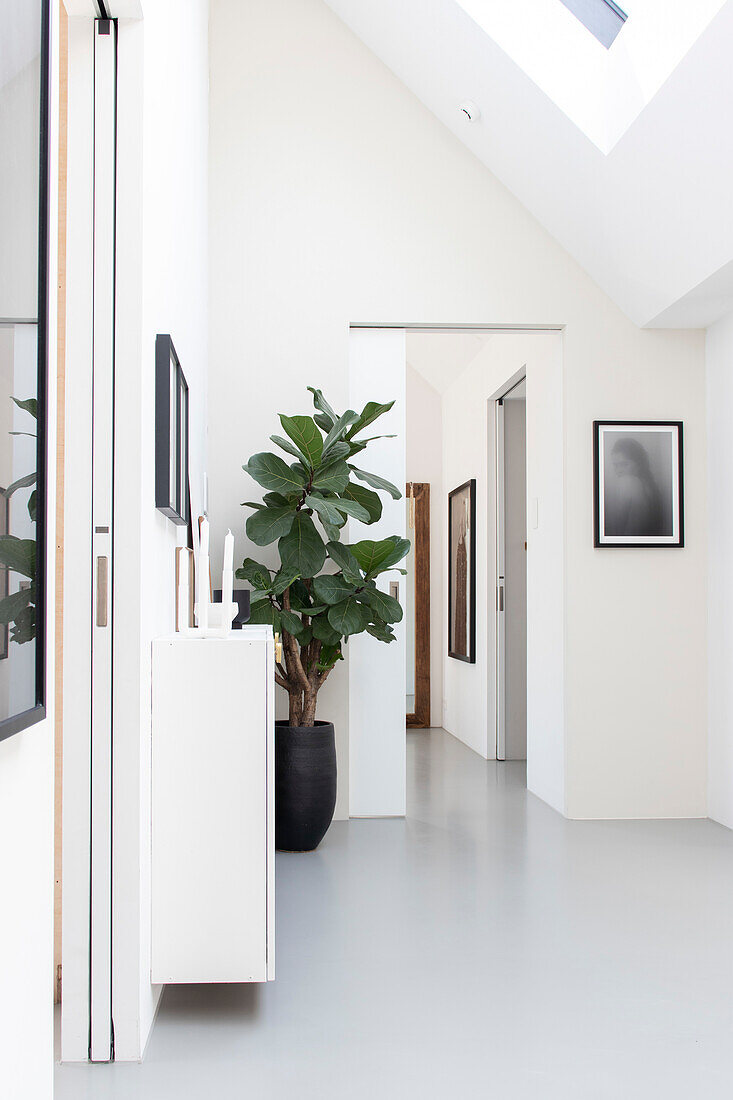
[(638, 484)]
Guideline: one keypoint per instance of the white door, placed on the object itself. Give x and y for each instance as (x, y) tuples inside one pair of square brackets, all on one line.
[(100, 987)]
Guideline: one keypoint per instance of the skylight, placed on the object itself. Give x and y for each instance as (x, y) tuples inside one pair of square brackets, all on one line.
[(603, 18)]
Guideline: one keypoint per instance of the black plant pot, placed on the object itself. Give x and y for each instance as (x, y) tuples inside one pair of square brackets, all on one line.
[(305, 785)]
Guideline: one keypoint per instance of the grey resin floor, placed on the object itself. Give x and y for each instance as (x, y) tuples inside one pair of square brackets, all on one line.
[(481, 947)]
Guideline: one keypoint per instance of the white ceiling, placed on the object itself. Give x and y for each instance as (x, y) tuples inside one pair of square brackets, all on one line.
[(652, 220), (441, 356)]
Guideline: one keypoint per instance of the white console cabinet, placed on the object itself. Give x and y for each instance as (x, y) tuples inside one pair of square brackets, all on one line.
[(213, 827)]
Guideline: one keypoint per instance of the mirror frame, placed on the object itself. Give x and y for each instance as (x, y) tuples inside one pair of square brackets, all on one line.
[(420, 534)]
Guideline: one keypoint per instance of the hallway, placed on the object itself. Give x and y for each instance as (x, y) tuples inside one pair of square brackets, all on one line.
[(482, 939)]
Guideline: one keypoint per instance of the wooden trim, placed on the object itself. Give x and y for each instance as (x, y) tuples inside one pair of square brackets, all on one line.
[(60, 454), (420, 491)]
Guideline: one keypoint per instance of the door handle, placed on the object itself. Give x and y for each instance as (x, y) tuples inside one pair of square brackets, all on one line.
[(102, 588), (500, 597)]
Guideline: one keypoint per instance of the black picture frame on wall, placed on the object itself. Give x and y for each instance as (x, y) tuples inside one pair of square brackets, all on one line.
[(171, 433), (21, 720), (638, 484), (462, 572)]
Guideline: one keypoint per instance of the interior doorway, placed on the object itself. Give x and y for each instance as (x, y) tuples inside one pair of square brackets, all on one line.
[(511, 581)]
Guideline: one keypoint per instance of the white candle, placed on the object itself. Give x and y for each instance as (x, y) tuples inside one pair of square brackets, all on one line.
[(227, 584), (183, 592), (203, 576)]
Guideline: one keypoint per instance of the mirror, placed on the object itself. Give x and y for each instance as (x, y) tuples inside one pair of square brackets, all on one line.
[(417, 605)]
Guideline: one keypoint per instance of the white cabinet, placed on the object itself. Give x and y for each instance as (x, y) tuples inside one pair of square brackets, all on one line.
[(213, 826)]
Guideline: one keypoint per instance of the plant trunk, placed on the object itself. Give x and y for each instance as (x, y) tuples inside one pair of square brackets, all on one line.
[(295, 711), (310, 698)]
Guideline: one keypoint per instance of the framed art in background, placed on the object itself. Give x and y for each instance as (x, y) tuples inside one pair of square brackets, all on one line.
[(638, 483), (171, 433), (462, 572)]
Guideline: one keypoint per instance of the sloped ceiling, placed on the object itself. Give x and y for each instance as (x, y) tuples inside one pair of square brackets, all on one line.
[(440, 357), (652, 220)]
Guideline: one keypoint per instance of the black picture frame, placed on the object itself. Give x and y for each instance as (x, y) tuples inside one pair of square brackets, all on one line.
[(462, 498), (171, 433), (671, 492), (16, 723)]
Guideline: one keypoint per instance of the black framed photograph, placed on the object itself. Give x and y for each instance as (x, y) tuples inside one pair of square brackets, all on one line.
[(638, 483), (462, 572), (171, 433)]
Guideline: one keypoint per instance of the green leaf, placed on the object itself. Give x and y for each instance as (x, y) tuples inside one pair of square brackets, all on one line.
[(323, 630), (287, 446), (332, 588), (271, 472), (304, 433), (252, 504), (371, 555), (339, 429), (342, 556), (323, 406), (337, 450), (401, 550), (19, 555), (380, 631), (328, 657), (386, 607), (257, 575), (11, 606), (323, 421), (277, 500), (333, 477), (302, 550), (32, 506), (333, 534), (282, 580), (292, 623), (21, 483), (371, 411), (366, 498), (377, 482), (270, 524), (348, 617), (351, 508), (325, 509), (305, 636), (264, 614), (30, 406)]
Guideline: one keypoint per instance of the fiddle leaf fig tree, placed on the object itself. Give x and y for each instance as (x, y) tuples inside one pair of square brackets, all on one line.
[(323, 590)]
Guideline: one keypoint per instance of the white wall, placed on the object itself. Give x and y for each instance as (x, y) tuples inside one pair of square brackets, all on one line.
[(377, 750), (425, 464), (162, 288), (719, 354), (335, 196), (26, 804)]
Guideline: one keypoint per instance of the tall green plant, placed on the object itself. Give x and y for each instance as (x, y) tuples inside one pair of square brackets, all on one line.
[(324, 590)]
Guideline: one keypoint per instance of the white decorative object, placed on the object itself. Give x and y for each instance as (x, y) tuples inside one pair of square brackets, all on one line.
[(213, 825), (213, 619)]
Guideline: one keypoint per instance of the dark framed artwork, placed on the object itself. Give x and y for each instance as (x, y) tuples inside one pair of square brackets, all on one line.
[(638, 494), (462, 572), (24, 291), (171, 433), (4, 574)]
